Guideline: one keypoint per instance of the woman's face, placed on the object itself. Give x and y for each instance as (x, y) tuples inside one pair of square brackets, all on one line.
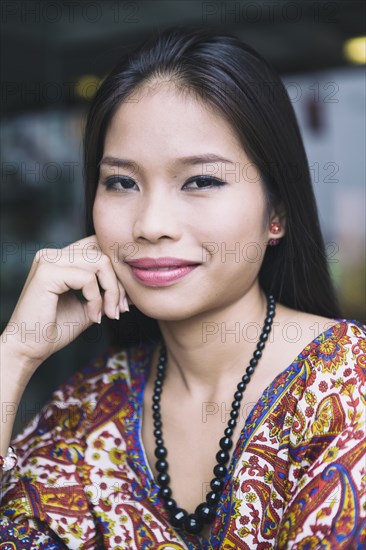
[(164, 203)]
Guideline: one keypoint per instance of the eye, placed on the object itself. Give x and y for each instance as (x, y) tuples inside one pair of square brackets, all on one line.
[(119, 183), (203, 182)]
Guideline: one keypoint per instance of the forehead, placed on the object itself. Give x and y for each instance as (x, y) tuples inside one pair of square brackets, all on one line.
[(165, 116)]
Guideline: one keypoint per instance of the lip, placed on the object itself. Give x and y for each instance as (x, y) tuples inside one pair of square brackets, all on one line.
[(150, 263), (146, 270)]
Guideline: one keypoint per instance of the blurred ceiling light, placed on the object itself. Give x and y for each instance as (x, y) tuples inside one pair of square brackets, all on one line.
[(355, 49), (87, 85)]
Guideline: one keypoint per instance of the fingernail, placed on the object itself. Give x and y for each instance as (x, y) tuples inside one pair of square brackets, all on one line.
[(125, 304), (100, 317), (117, 313)]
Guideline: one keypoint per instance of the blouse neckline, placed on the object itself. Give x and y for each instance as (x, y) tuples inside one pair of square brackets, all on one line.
[(139, 370)]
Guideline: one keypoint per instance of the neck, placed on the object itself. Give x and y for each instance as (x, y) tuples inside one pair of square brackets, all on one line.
[(206, 352)]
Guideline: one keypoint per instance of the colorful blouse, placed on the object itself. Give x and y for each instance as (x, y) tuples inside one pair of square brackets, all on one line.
[(296, 478)]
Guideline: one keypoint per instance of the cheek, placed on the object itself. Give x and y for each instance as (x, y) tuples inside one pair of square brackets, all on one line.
[(243, 219), (98, 218), (106, 221)]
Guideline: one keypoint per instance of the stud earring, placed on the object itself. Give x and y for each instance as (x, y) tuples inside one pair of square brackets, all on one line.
[(275, 227)]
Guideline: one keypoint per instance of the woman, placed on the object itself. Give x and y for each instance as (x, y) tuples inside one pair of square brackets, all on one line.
[(235, 419)]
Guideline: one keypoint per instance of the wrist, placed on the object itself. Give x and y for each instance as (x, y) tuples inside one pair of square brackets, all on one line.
[(15, 365)]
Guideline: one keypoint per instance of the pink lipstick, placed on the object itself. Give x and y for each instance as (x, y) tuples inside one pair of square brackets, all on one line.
[(161, 271)]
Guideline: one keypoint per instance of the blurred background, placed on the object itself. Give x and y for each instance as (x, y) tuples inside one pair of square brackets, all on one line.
[(55, 53)]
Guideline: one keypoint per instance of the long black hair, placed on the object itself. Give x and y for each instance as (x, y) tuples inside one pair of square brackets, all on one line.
[(241, 86)]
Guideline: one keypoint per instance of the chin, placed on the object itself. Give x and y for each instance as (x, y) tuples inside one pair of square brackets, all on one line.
[(163, 311)]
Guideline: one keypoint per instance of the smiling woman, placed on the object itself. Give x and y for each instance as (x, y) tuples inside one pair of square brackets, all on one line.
[(218, 427), (176, 208)]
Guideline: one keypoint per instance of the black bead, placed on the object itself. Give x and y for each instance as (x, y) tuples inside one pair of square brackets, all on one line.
[(159, 442), (157, 391), (163, 479), (160, 452), (246, 379), (260, 345), (241, 387), (257, 354), (235, 405), (220, 471), (229, 431), (205, 512), (158, 383), (253, 362), (212, 497), (234, 414), (156, 416), (161, 465), (156, 407), (157, 424), (170, 504), (266, 329), (263, 337), (216, 484), (231, 423), (157, 431), (165, 492), (238, 395), (193, 524), (225, 443), (222, 457), (178, 518), (250, 370), (268, 322), (156, 398)]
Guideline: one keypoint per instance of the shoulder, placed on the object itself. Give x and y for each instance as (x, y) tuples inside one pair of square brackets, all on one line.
[(300, 331), (324, 352), (333, 338), (334, 378)]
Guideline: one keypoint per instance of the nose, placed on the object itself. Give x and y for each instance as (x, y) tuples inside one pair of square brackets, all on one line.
[(156, 217)]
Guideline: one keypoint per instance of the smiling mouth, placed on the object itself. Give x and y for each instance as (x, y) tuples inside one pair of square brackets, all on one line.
[(162, 275), (170, 268)]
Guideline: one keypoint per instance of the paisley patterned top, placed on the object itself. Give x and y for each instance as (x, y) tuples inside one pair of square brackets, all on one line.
[(296, 479)]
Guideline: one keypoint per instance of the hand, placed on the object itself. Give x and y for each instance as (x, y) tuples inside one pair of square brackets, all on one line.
[(48, 315)]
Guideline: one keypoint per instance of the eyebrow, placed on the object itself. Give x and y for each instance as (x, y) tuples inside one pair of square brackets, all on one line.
[(182, 161)]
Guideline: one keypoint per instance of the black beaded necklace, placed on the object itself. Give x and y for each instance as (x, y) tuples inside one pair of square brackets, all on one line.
[(206, 511)]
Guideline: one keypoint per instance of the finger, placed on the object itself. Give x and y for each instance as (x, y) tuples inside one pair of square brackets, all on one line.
[(109, 283), (123, 303), (66, 278), (86, 255)]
